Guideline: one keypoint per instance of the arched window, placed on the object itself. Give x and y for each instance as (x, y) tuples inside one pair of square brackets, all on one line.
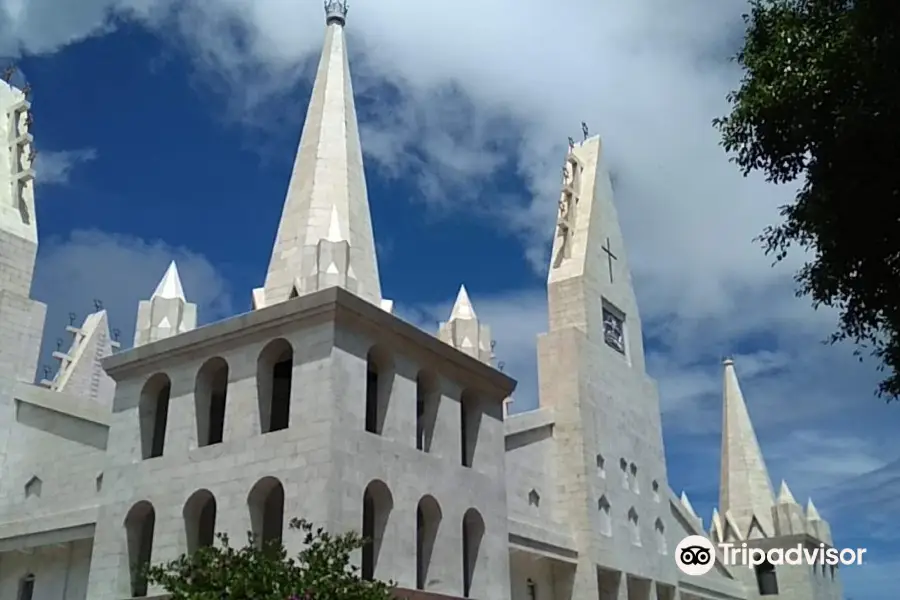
[(210, 390), (623, 466), (766, 579), (472, 534), (153, 410), (274, 371), (26, 587), (266, 504), (200, 520), (379, 381), (635, 487), (470, 423), (428, 398), (428, 521), (139, 525), (634, 524), (377, 506), (655, 488), (532, 589), (601, 466), (660, 530), (603, 508)]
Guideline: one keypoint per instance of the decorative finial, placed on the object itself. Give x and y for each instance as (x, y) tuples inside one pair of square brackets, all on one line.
[(336, 11), (584, 129), (8, 73), (98, 305), (72, 317), (571, 143)]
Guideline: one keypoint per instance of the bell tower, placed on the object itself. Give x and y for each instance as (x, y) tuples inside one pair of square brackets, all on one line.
[(21, 319)]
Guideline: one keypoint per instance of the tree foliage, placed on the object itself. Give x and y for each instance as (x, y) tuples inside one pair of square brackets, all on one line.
[(819, 105), (322, 571)]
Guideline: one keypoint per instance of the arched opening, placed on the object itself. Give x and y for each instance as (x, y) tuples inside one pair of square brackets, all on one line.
[(661, 544), (472, 534), (470, 422), (200, 520), (139, 525), (26, 587), (635, 527), (635, 485), (532, 589), (210, 391), (266, 504), (377, 506), (274, 371), (428, 520), (379, 381), (428, 398), (623, 466), (603, 508), (153, 411), (766, 579)]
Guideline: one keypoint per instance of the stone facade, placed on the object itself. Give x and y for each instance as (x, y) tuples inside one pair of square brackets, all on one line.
[(322, 404)]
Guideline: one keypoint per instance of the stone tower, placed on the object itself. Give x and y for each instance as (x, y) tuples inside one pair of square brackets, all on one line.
[(318, 404), (611, 465), (21, 319), (750, 513)]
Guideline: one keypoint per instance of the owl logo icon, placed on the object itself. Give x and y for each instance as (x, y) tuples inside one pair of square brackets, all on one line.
[(695, 555)]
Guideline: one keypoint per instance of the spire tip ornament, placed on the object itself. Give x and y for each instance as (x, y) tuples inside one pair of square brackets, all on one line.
[(336, 12)]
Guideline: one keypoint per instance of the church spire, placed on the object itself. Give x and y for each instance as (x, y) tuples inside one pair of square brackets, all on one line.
[(325, 237), (745, 487)]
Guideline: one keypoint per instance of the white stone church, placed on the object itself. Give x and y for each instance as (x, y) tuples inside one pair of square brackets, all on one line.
[(320, 403)]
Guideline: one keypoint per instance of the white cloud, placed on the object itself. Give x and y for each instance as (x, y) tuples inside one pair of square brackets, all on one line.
[(55, 168), (118, 270)]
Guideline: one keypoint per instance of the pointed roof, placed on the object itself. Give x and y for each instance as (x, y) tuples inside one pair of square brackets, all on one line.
[(784, 494), (462, 308), (811, 513), (687, 503), (170, 285), (745, 487), (327, 197)]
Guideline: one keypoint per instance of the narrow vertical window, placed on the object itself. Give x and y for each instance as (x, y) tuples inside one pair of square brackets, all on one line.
[(274, 373)]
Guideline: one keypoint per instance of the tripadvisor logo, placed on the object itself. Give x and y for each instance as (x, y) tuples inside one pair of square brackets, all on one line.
[(696, 555)]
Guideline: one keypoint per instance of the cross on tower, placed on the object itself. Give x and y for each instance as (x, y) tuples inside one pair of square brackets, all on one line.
[(610, 257)]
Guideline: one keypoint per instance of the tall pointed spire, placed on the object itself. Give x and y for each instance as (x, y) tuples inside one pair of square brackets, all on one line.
[(745, 487), (325, 234)]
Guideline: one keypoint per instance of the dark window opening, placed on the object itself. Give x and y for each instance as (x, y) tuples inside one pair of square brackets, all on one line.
[(281, 395), (767, 579)]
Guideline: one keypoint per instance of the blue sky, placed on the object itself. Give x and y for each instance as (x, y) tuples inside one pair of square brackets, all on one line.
[(166, 129)]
